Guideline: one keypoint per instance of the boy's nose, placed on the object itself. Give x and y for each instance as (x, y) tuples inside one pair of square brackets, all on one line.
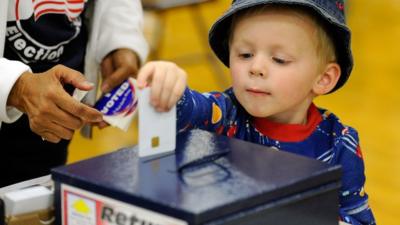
[(258, 67), (257, 73)]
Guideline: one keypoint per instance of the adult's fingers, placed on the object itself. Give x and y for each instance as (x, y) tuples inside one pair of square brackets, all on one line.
[(107, 69), (101, 125), (65, 119), (115, 79), (58, 131), (117, 67), (51, 131), (86, 113), (65, 102), (50, 137), (70, 76), (107, 66)]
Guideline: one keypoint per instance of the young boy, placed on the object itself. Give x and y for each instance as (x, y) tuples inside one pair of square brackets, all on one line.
[(282, 54)]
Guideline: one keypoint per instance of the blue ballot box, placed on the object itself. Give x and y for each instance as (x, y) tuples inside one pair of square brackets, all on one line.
[(210, 179)]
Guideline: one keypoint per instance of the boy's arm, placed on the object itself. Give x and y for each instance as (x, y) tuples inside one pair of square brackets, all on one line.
[(208, 111), (354, 207)]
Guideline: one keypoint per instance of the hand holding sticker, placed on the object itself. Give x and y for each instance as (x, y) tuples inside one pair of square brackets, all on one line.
[(119, 105)]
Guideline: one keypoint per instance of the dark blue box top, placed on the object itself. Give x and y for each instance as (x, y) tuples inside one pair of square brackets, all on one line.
[(208, 177)]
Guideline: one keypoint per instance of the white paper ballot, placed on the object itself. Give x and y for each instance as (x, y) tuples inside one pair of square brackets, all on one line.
[(157, 130)]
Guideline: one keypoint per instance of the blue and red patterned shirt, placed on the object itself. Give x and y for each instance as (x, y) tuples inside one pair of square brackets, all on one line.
[(323, 138)]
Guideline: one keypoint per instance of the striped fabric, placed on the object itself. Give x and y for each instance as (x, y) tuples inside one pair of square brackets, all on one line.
[(71, 8)]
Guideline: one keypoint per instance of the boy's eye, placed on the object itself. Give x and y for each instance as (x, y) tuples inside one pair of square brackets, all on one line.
[(245, 55), (279, 60)]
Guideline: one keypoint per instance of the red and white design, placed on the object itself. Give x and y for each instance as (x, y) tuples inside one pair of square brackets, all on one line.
[(71, 8), (32, 46), (24, 9)]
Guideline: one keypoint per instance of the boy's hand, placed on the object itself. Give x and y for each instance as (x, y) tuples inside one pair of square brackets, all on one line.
[(167, 81)]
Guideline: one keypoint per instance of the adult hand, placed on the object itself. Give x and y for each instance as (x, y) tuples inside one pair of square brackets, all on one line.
[(117, 66), (52, 112)]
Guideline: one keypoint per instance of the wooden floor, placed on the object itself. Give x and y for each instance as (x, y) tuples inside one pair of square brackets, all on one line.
[(370, 101)]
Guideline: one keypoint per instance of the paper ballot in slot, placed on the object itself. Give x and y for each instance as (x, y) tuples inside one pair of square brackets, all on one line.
[(157, 130)]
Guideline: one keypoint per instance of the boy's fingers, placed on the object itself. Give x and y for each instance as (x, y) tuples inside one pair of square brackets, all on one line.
[(145, 73), (177, 92), (156, 86), (169, 83)]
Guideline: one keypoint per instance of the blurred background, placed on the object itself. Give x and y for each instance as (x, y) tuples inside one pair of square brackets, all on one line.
[(370, 101)]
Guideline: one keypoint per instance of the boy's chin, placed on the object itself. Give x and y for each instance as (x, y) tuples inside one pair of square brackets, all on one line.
[(256, 112)]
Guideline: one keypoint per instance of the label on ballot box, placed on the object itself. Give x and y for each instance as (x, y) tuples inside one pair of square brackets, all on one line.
[(82, 207)]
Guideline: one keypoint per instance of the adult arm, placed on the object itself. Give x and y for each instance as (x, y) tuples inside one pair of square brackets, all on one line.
[(121, 46)]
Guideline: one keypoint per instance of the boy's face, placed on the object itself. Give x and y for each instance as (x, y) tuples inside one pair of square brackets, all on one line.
[(274, 64)]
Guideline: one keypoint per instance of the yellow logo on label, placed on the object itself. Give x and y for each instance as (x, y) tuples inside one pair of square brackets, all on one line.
[(81, 206)]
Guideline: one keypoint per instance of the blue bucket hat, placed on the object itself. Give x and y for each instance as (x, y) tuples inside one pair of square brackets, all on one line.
[(331, 11)]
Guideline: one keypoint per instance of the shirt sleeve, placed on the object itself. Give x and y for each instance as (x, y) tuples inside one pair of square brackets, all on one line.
[(208, 111), (353, 201), (10, 71), (121, 26)]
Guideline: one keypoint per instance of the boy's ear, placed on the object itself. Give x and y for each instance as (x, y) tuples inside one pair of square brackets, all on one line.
[(327, 80)]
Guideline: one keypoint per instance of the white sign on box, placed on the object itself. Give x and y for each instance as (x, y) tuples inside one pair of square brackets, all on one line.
[(81, 207), (157, 130)]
